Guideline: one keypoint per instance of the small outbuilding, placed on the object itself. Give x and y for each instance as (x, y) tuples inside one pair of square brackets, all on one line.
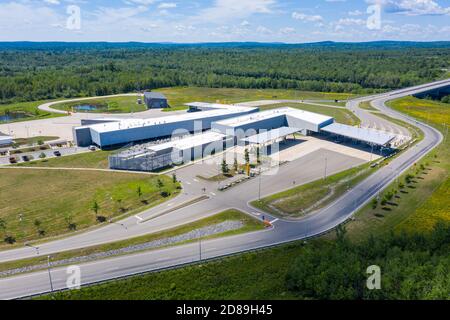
[(155, 100)]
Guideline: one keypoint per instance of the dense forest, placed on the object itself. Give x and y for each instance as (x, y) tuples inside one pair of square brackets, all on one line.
[(33, 71)]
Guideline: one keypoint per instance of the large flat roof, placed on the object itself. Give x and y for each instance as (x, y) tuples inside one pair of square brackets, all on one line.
[(307, 116), (271, 135), (136, 123), (191, 141), (363, 134)]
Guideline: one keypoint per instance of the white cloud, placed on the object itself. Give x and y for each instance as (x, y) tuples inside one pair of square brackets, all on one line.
[(224, 10), (412, 7), (142, 2), (307, 18), (287, 30), (52, 1), (351, 22), (167, 5), (355, 13)]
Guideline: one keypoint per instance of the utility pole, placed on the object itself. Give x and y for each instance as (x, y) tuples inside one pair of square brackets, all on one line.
[(259, 188), (49, 273)]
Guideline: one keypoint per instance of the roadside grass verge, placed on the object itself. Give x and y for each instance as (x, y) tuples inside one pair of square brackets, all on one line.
[(249, 224), (340, 115), (263, 274), (178, 96), (304, 199), (367, 106), (125, 104), (90, 160), (37, 204), (420, 204)]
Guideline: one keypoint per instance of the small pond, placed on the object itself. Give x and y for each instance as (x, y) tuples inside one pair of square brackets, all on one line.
[(87, 107), (11, 116)]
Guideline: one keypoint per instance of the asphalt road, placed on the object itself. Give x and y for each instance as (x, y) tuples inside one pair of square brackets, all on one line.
[(283, 231)]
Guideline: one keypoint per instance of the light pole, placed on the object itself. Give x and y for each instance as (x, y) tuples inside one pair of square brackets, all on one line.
[(259, 187), (326, 164), (49, 273)]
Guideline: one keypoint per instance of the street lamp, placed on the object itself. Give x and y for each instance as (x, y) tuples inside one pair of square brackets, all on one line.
[(49, 273)]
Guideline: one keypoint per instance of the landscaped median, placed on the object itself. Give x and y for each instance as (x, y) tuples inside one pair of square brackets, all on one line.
[(36, 204), (227, 223), (302, 200)]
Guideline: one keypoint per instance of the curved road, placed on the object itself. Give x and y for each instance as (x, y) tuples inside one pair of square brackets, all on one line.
[(238, 197)]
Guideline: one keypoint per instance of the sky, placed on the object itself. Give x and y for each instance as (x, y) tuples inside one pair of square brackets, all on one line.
[(189, 21)]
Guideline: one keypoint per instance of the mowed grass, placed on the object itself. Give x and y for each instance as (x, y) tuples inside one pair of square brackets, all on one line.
[(301, 200), (59, 197), (177, 97), (258, 275), (419, 206), (91, 160), (340, 115), (262, 275), (125, 104), (30, 109), (249, 224)]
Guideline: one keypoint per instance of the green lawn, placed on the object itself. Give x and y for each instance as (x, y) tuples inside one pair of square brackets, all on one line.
[(420, 205), (414, 267), (126, 104), (249, 224), (57, 198), (29, 109), (91, 160), (340, 115), (177, 97), (304, 199), (367, 106), (33, 140)]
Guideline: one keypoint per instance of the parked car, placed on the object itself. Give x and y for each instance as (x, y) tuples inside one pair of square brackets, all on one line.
[(26, 158), (12, 160), (92, 148), (57, 153)]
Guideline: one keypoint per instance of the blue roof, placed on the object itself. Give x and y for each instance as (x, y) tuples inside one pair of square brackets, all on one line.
[(363, 134)]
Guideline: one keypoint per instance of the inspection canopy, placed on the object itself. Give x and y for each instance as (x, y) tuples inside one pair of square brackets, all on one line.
[(268, 136), (367, 135)]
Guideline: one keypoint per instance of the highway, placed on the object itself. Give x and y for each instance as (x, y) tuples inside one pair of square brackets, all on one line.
[(239, 197)]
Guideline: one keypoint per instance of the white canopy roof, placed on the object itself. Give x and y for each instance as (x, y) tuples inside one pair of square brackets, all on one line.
[(268, 136), (363, 134)]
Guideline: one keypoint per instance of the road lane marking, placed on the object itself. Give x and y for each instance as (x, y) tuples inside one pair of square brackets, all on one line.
[(139, 218), (213, 193), (196, 180), (273, 221)]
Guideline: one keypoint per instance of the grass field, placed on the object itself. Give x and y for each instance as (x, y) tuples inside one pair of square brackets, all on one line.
[(299, 201), (262, 275), (249, 224), (340, 115), (425, 201), (366, 106), (30, 109), (57, 198), (126, 104), (177, 97), (91, 160)]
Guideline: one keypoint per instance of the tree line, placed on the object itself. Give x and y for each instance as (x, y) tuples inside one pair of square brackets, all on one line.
[(38, 73)]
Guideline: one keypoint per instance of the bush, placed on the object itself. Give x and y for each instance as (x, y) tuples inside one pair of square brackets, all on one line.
[(10, 240), (165, 194)]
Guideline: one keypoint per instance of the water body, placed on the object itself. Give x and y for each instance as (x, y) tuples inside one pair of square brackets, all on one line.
[(12, 116), (86, 107)]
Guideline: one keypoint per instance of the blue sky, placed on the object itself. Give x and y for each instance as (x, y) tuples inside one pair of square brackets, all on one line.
[(224, 20)]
